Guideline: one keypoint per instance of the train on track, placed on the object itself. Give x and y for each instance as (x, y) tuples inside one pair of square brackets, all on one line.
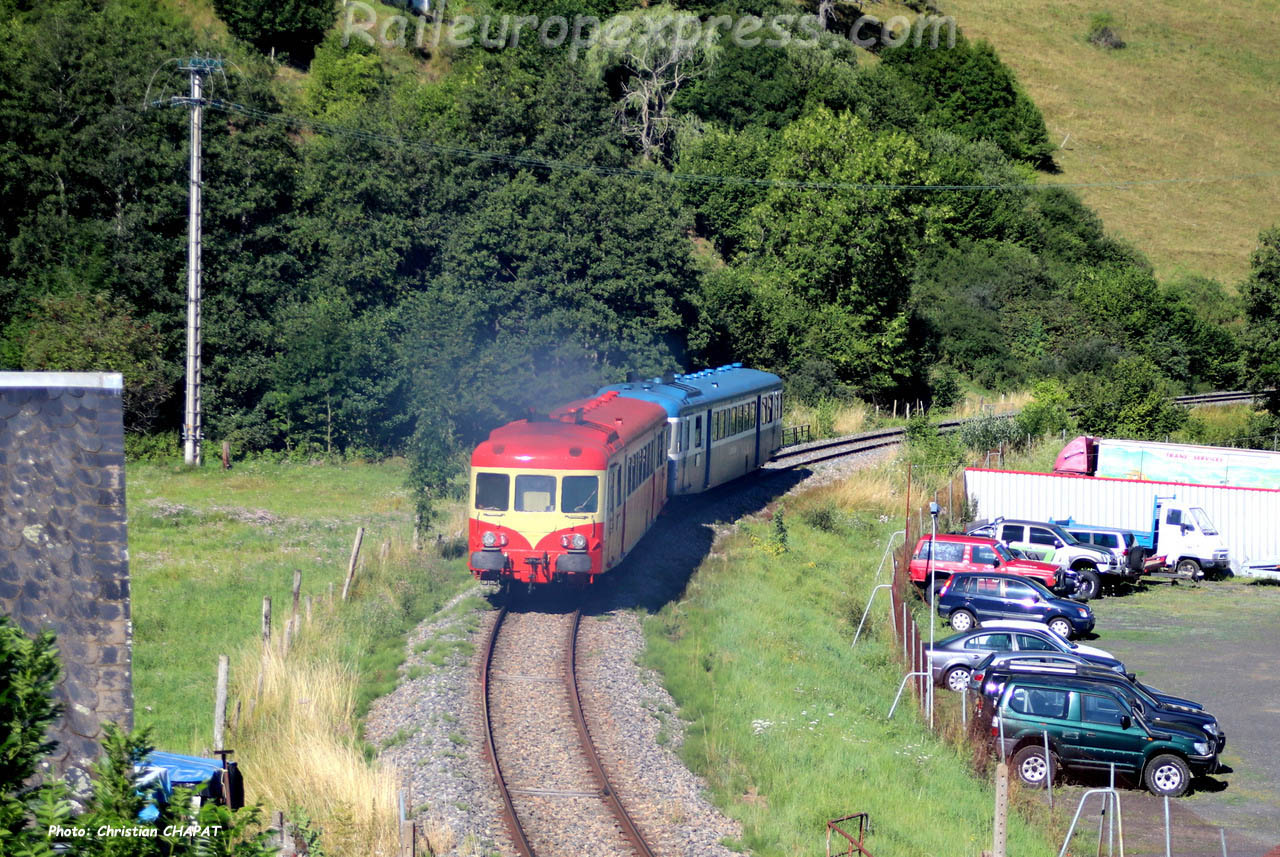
[(565, 497)]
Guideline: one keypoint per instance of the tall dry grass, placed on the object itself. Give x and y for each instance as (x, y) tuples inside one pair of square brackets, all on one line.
[(977, 404), (301, 701), (305, 755)]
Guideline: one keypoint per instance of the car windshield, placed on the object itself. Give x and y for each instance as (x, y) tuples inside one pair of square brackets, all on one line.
[(1003, 551), (1202, 519)]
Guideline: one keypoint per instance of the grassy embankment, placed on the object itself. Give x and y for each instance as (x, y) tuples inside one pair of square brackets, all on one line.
[(1192, 95), (206, 546), (787, 722), (834, 418)]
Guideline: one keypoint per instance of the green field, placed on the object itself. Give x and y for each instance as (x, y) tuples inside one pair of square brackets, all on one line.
[(787, 722), (1192, 95), (207, 545)]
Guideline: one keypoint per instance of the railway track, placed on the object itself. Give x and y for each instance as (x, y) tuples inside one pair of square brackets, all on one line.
[(824, 450), (555, 794), (1229, 398)]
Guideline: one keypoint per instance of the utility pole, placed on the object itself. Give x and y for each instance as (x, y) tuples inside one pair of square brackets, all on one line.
[(197, 67)]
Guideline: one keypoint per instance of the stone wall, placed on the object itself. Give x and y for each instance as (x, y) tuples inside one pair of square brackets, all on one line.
[(64, 562)]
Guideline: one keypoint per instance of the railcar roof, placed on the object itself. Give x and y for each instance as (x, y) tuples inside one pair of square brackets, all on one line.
[(594, 427), (697, 390)]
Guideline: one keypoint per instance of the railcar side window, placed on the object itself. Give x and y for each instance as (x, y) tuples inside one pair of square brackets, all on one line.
[(697, 432), (579, 493), (493, 491), (535, 493)]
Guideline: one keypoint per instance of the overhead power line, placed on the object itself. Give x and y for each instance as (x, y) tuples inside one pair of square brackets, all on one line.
[(552, 165)]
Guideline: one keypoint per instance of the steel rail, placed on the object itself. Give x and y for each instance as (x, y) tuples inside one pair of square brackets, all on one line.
[(629, 829), (509, 817)]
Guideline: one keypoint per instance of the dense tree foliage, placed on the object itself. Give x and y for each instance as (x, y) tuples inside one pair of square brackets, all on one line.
[(1261, 297), (441, 239), (289, 28)]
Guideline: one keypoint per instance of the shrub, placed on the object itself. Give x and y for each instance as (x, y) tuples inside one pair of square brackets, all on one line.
[(1102, 32), (988, 432), (944, 385), (1048, 411)]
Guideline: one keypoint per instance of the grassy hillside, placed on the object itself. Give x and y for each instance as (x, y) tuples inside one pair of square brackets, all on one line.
[(1193, 94)]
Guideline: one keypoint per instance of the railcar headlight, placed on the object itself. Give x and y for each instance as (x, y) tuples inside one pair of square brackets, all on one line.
[(489, 539), (1201, 748), (579, 541)]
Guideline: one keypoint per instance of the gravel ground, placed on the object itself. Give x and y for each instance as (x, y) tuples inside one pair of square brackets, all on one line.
[(429, 727)]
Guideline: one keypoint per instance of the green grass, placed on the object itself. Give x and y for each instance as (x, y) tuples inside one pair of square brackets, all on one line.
[(207, 545), (1193, 95), (787, 722)]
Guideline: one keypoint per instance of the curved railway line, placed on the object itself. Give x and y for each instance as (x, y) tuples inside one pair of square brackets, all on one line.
[(556, 797), (824, 450)]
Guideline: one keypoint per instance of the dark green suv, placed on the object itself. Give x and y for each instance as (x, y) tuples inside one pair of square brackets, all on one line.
[(1091, 726)]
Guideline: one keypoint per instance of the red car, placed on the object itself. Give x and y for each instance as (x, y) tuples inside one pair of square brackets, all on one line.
[(954, 554)]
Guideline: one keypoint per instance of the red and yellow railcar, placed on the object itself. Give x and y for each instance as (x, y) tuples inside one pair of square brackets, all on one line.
[(565, 498)]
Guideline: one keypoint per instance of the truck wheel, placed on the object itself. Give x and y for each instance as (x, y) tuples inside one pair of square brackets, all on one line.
[(1189, 568), (1167, 775), (1032, 767), (962, 620), (1090, 585)]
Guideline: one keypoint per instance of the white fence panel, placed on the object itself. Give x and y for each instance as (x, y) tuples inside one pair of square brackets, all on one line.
[(1248, 518)]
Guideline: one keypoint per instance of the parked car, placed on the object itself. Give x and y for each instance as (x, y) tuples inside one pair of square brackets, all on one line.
[(1050, 543), (1119, 542), (1092, 726), (1032, 659), (954, 658), (1033, 625), (969, 598), (1157, 712), (953, 554)]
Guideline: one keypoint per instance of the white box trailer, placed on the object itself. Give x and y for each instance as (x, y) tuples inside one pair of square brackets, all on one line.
[(1247, 518)]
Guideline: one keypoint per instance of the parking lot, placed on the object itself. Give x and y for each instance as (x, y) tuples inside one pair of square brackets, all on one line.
[(1217, 643)]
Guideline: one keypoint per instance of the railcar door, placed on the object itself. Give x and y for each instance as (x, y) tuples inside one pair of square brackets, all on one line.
[(757, 414), (614, 518)]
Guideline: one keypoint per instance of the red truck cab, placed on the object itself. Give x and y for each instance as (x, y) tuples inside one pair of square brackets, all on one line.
[(954, 554)]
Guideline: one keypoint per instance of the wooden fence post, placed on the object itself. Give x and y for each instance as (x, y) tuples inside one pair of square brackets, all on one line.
[(351, 566), (408, 839), (266, 621), (384, 553), (220, 704), (226, 455), (297, 588), (308, 609), (1002, 809)]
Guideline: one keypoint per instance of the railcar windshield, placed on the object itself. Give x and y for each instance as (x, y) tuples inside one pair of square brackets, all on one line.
[(579, 494), (535, 493), (493, 492)]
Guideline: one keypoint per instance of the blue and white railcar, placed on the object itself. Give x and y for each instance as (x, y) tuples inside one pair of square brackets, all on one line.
[(724, 422)]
